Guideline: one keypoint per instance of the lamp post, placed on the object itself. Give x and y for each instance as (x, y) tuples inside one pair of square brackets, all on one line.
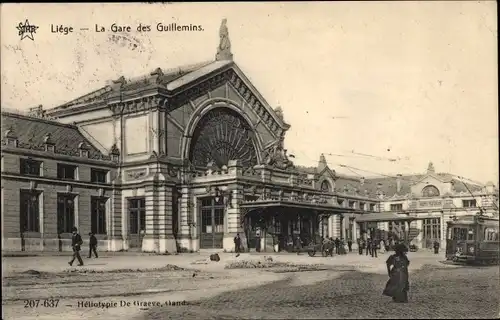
[(223, 195)]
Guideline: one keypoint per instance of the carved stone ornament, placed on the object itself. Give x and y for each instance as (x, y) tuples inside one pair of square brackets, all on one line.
[(172, 172), (224, 49), (277, 157), (135, 174), (115, 150)]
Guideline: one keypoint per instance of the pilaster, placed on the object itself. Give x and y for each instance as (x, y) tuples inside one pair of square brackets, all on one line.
[(116, 242), (233, 219), (335, 223), (159, 233)]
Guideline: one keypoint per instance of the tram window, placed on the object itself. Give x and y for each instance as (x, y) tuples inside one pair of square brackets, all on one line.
[(459, 234), (470, 234), (490, 234)]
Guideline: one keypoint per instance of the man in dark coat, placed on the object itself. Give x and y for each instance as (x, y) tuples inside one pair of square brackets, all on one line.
[(237, 243), (361, 245), (374, 247), (436, 247), (368, 246), (76, 243), (337, 245), (298, 244), (92, 245), (349, 245)]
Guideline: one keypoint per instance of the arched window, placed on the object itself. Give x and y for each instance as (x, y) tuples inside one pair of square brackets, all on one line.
[(430, 191), (325, 186)]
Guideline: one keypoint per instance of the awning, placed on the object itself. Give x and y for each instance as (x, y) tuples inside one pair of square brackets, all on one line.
[(383, 217), (293, 204)]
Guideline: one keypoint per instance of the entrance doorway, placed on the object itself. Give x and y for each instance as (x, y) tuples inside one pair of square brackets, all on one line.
[(431, 232), (137, 221), (212, 223)]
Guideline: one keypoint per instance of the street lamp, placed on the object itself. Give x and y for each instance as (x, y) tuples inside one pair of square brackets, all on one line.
[(217, 194)]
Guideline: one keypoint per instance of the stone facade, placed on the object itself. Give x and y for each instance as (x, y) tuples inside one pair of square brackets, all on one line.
[(193, 156)]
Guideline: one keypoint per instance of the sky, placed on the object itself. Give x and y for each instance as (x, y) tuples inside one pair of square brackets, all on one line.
[(409, 81)]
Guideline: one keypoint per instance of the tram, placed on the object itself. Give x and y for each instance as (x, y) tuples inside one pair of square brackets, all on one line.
[(473, 239)]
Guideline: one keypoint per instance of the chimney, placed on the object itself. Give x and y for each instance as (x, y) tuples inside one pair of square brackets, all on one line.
[(398, 183)]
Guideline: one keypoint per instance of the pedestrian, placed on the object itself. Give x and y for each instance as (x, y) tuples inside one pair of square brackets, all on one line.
[(361, 245), (374, 248), (92, 245), (337, 245), (436, 247), (369, 246), (298, 244), (382, 246), (237, 244), (328, 247), (398, 284), (76, 243), (349, 245)]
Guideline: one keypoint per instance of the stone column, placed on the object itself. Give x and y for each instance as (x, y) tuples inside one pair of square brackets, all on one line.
[(234, 223), (335, 226), (116, 241), (187, 237), (418, 239), (443, 219)]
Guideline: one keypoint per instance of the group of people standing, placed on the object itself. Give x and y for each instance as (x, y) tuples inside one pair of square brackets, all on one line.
[(76, 244), (371, 246)]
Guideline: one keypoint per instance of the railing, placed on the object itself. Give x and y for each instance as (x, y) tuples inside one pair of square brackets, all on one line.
[(38, 114)]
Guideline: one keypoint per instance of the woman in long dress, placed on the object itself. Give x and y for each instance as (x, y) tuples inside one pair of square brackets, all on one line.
[(382, 246), (397, 267)]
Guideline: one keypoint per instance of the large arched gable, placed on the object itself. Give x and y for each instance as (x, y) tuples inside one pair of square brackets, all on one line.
[(223, 139)]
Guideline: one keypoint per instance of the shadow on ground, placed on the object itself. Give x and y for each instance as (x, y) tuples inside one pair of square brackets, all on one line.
[(436, 292)]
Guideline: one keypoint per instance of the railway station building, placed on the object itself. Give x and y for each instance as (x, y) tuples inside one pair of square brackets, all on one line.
[(183, 159)]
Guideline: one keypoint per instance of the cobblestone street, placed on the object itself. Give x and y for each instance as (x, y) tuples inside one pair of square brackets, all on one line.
[(436, 292), (342, 287)]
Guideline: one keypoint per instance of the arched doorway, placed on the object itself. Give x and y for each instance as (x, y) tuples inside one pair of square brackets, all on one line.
[(222, 135)]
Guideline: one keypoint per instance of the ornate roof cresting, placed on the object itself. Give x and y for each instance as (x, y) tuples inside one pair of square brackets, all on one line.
[(224, 49)]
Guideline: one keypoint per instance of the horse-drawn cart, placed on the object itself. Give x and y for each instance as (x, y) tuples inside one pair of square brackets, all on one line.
[(325, 248)]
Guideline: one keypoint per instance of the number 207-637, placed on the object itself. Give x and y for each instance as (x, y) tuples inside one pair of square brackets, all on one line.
[(46, 303)]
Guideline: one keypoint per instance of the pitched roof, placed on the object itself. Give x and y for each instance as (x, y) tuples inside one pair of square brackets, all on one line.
[(31, 132), (388, 185), (168, 79)]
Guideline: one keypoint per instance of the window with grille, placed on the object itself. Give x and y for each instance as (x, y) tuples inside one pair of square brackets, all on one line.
[(30, 211), (431, 229), (98, 215), (137, 215), (212, 215), (469, 203), (490, 234), (397, 207), (30, 167)]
